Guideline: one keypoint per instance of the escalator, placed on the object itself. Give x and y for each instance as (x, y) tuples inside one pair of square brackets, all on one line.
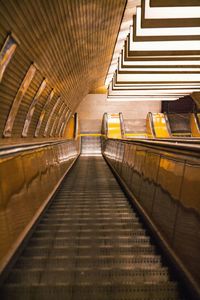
[(90, 244)]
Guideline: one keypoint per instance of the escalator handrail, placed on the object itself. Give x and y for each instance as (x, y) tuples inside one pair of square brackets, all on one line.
[(14, 149), (187, 147)]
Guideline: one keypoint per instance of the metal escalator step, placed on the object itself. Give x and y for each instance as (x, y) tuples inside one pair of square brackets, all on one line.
[(126, 220), (96, 197), (101, 191), (62, 241), (85, 214), (106, 291), (90, 206), (117, 261), (97, 226), (84, 251), (94, 239), (96, 209), (70, 208), (83, 230), (96, 231), (18, 276), (72, 230), (68, 203), (62, 217), (91, 199)]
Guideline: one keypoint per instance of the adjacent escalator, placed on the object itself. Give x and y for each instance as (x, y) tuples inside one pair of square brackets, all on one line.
[(90, 244)]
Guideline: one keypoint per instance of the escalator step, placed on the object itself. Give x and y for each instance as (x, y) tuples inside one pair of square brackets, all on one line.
[(107, 291), (73, 230), (89, 276), (93, 251), (100, 225), (118, 261), (42, 245)]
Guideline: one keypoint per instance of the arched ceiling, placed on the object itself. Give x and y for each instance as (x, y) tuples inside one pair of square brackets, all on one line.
[(70, 42)]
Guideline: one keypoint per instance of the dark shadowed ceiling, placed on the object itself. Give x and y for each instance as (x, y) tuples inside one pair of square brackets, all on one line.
[(71, 44)]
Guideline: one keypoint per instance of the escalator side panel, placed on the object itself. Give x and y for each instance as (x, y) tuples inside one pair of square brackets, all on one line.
[(28, 179), (166, 186)]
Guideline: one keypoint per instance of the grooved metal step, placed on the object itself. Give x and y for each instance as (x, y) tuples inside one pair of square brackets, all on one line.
[(90, 245), (125, 261), (95, 225), (84, 276), (109, 291)]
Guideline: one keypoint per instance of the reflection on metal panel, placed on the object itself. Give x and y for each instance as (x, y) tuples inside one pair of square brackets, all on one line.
[(58, 116), (43, 113), (17, 101), (165, 183), (64, 125), (50, 116), (76, 131), (6, 54), (32, 108), (60, 121), (27, 181)]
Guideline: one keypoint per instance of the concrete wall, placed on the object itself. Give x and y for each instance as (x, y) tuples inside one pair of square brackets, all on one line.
[(92, 108)]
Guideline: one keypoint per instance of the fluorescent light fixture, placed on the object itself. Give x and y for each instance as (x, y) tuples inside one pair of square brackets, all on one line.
[(163, 31), (185, 45), (161, 3), (139, 98), (157, 54), (151, 63), (154, 88), (117, 84), (149, 92), (128, 68), (172, 77), (180, 12)]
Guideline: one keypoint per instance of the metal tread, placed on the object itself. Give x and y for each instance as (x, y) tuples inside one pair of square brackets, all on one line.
[(104, 275), (137, 261), (109, 290)]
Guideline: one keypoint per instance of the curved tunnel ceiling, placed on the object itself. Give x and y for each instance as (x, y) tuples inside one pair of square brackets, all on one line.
[(70, 44)]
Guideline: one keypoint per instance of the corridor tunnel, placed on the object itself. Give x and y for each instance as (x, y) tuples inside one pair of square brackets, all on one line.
[(100, 149)]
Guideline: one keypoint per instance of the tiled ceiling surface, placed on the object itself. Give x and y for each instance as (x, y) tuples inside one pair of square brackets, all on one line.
[(71, 43)]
